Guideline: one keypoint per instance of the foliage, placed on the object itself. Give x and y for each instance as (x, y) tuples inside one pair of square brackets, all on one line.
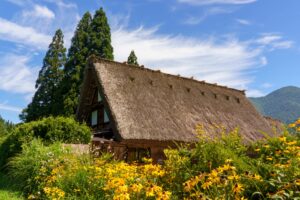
[(74, 67), (282, 104), (5, 127), (45, 98), (211, 169), (92, 36), (132, 59), (9, 188), (100, 37), (27, 165), (74, 177), (53, 129), (49, 130)]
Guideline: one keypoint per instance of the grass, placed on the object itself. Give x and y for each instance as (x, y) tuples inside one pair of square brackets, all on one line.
[(8, 189)]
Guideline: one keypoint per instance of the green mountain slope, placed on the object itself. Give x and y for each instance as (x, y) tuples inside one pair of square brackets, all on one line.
[(282, 104)]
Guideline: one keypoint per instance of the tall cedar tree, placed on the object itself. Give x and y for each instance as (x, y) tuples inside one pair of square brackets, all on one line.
[(100, 36), (50, 76), (132, 59), (92, 36), (73, 72)]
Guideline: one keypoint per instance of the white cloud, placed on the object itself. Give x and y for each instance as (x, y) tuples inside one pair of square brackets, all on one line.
[(209, 2), (39, 12), (191, 20), (227, 62), (15, 74), (4, 106), (18, 2), (274, 41), (266, 85), (263, 60), (254, 93), (243, 21), (24, 35)]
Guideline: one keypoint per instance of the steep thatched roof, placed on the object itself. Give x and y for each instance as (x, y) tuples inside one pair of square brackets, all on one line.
[(146, 104)]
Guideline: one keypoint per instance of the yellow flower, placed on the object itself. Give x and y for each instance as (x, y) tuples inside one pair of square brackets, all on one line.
[(227, 167), (136, 187), (234, 177), (165, 195), (282, 138), (237, 188), (267, 146), (291, 143), (151, 191), (269, 158), (122, 196), (292, 125), (257, 149), (47, 190), (206, 185), (256, 177)]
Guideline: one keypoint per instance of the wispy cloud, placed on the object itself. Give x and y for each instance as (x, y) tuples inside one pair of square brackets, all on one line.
[(39, 12), (19, 2), (255, 93), (24, 35), (274, 41), (266, 85), (243, 21), (192, 20), (4, 106), (227, 62), (210, 2), (35, 15), (15, 74)]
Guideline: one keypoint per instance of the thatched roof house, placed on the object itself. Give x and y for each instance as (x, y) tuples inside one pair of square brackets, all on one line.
[(138, 107)]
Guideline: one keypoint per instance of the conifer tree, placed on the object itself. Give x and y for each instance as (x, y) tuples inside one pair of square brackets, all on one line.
[(132, 59), (101, 36), (73, 72), (48, 81), (92, 36)]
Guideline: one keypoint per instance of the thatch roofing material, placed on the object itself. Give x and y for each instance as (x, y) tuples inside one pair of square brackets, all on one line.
[(150, 105)]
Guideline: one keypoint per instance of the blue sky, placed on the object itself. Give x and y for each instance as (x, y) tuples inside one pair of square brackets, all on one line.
[(245, 44)]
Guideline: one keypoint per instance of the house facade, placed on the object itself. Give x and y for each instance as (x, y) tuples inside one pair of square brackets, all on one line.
[(136, 112)]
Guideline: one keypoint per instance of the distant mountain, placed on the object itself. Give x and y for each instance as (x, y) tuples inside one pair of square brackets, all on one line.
[(282, 104)]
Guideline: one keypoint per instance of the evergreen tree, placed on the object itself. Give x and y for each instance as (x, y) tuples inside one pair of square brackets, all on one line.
[(100, 36), (92, 36), (73, 72), (50, 76), (132, 59)]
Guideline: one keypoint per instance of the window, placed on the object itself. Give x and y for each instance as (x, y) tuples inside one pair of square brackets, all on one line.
[(94, 118), (106, 119)]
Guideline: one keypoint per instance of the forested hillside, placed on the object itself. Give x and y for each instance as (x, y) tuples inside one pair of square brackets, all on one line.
[(282, 104)]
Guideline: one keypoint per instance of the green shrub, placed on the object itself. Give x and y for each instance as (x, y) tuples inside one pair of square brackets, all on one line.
[(53, 129), (27, 165), (49, 130), (5, 127)]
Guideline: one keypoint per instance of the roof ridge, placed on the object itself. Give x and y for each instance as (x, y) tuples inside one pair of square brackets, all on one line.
[(94, 58)]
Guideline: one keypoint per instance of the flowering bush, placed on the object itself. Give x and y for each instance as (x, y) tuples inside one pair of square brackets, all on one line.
[(211, 169)]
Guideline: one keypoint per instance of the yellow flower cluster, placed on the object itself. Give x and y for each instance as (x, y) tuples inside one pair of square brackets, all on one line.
[(224, 179), (295, 125), (124, 180), (54, 193)]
